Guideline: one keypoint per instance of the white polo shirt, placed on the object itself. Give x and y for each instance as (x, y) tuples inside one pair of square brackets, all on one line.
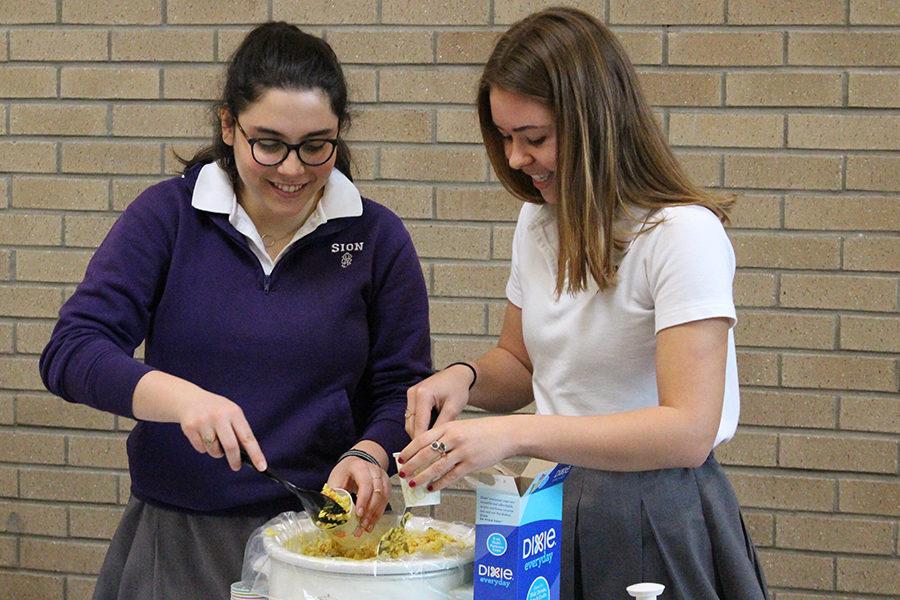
[(594, 353)]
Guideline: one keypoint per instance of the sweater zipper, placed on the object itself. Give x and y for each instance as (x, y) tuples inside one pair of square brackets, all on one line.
[(266, 282)]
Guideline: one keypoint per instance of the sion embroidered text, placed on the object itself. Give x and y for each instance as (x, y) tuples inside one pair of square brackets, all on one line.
[(347, 247)]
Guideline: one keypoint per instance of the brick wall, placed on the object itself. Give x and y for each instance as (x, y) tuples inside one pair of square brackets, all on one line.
[(790, 103)]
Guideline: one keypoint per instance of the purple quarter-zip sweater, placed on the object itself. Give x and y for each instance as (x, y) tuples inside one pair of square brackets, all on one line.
[(319, 354)]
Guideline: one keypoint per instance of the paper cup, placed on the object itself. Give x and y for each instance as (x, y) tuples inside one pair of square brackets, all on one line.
[(417, 496)]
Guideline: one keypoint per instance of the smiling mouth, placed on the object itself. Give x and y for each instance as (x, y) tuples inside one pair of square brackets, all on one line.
[(541, 178), (288, 189)]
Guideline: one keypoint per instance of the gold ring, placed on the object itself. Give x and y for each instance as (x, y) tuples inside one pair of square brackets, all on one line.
[(208, 442), (409, 414), (377, 491)]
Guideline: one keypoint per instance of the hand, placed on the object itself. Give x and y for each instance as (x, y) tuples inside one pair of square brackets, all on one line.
[(371, 485), (471, 444), (447, 391), (217, 426)]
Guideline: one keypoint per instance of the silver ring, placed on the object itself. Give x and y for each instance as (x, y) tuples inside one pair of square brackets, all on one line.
[(440, 447)]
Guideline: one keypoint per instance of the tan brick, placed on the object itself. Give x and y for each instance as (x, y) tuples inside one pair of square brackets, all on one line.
[(93, 522), (753, 288), (364, 160), (386, 46), (110, 157), (777, 250), (643, 47), (786, 12), (757, 368), (873, 334), (458, 317), (868, 496), (28, 82), (666, 12), (772, 88), (478, 203), (20, 374), (29, 301), (872, 213), (874, 12), (408, 201), (38, 11), (149, 44), (749, 448), (455, 12), (372, 124), (46, 411), (877, 90), (32, 518), (834, 534), (19, 229), (790, 492), (744, 129), (838, 291), (183, 12), (7, 409), (193, 83), (4, 53), (6, 347), (785, 329), (753, 48), (451, 241), (853, 132), (501, 244), (872, 253), (8, 551), (452, 85), (173, 119), (109, 82), (781, 409), (230, 39), (32, 336), (124, 423), (679, 88), (839, 372), (86, 232), (795, 570), (790, 171), (124, 191), (868, 575), (756, 211), (760, 526), (330, 12), (80, 588), (118, 12), (58, 44), (36, 448), (28, 157), (9, 485), (58, 119), (507, 12), (60, 193), (433, 164), (52, 266), (92, 451), (470, 280), (5, 271), (61, 556), (830, 453), (702, 167), (465, 47), (843, 48), (448, 350), (458, 125), (876, 173), (361, 86), (30, 586), (171, 165), (871, 413), (68, 485)]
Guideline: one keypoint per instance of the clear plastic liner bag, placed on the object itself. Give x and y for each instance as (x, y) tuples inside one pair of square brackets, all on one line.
[(288, 558)]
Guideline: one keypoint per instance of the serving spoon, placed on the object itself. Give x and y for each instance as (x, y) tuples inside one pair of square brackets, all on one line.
[(323, 511)]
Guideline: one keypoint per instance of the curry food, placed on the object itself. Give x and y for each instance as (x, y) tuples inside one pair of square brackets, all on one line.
[(328, 517)]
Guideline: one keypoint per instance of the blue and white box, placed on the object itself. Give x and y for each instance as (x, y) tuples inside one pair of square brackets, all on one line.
[(518, 534)]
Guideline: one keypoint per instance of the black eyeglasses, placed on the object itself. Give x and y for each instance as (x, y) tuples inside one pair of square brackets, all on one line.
[(271, 152)]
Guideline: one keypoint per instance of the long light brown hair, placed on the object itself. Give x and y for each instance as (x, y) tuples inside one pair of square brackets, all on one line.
[(611, 155)]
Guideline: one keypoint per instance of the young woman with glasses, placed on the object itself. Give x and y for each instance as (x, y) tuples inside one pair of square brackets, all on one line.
[(282, 314), (618, 327)]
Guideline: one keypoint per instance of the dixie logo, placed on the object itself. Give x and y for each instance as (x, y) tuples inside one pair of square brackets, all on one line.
[(495, 572), (539, 543)]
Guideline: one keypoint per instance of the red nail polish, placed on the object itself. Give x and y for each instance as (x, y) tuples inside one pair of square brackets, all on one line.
[(401, 474), (412, 484), (400, 461), (430, 488)]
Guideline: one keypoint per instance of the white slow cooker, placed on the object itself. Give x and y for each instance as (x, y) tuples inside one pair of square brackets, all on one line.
[(294, 576)]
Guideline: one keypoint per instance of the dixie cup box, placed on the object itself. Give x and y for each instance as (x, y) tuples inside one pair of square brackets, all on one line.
[(518, 533)]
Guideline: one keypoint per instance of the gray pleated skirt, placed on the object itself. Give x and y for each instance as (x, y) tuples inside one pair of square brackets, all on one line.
[(678, 527), (163, 554)]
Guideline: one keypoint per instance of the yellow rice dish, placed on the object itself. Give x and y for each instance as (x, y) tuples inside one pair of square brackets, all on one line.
[(329, 519)]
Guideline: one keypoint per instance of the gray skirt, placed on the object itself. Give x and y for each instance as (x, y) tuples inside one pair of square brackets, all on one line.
[(678, 527), (161, 554)]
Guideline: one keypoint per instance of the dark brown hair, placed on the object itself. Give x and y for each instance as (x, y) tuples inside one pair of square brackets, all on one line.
[(611, 155)]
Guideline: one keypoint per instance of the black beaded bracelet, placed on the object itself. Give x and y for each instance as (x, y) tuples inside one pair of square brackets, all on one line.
[(465, 364), (360, 454)]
